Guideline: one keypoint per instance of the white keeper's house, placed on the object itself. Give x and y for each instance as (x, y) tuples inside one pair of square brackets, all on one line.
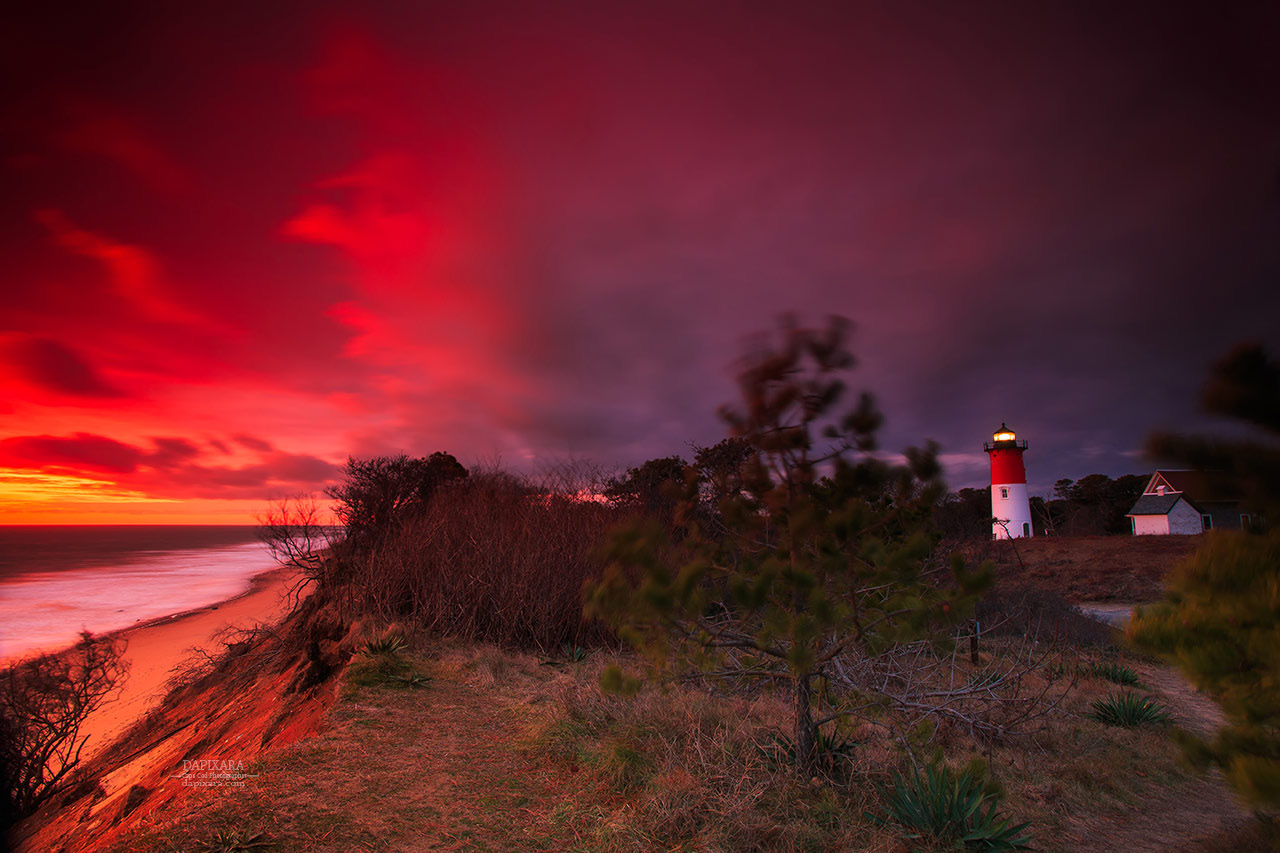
[(1185, 502)]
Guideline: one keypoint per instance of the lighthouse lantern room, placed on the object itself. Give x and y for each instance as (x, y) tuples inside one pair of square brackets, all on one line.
[(1010, 506)]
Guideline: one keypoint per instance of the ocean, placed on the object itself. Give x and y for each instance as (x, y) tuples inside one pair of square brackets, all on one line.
[(56, 581)]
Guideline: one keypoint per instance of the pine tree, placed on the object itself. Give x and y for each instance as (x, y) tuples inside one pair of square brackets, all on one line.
[(1221, 617), (820, 550)]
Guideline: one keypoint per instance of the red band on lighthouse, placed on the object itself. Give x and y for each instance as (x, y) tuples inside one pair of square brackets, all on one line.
[(1007, 467)]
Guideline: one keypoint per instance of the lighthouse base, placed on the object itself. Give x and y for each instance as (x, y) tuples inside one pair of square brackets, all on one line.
[(1011, 509)]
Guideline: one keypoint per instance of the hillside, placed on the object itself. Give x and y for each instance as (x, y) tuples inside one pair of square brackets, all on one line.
[(495, 750), (1128, 569), (459, 746)]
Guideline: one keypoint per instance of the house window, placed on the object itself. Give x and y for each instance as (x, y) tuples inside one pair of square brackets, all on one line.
[(1207, 521), (1004, 493), (1026, 529), (1245, 521)]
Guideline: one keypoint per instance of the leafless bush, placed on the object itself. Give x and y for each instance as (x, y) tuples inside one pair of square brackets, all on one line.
[(295, 532), (1006, 684), (1016, 683), (1040, 613), (43, 704), (238, 656), (498, 558)]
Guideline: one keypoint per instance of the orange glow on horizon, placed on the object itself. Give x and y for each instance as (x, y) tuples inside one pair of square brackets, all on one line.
[(29, 498)]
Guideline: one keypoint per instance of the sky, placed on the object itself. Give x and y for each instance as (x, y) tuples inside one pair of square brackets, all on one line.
[(244, 241)]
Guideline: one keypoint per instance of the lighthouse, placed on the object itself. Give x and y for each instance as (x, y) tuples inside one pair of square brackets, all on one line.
[(1010, 507)]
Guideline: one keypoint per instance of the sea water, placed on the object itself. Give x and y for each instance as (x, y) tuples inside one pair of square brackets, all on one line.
[(56, 581)]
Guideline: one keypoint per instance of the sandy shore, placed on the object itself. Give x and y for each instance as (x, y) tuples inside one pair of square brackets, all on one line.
[(155, 648)]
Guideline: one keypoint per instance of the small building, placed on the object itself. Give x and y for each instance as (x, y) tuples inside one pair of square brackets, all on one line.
[(1185, 502)]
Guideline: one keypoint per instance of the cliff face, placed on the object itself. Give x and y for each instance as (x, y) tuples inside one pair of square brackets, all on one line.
[(268, 689)]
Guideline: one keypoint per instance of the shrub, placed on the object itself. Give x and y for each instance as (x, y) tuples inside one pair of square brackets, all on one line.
[(1040, 613), (380, 494), (1128, 709), (43, 703), (493, 558), (950, 808)]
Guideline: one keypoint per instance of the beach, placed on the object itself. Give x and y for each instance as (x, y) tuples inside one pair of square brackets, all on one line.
[(154, 649)]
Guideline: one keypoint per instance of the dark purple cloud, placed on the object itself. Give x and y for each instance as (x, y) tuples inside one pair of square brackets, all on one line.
[(531, 233)]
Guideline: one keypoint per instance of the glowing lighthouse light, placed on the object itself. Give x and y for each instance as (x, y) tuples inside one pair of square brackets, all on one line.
[(1010, 506)]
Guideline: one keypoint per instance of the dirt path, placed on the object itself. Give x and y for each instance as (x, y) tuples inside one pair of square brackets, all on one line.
[(1163, 820)]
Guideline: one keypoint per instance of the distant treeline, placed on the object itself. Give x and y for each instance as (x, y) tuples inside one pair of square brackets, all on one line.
[(1095, 505)]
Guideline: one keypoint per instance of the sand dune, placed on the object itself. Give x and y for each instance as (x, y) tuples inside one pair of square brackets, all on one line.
[(156, 648)]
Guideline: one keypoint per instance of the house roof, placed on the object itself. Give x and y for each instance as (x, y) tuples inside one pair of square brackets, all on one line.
[(1157, 504), (1203, 485)]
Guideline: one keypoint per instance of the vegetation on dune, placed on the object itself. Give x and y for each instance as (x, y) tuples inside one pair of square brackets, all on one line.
[(1221, 619), (44, 702), (496, 750), (479, 555), (378, 496)]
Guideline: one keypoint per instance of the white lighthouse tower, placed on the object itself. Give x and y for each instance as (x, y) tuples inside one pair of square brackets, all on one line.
[(1010, 507)]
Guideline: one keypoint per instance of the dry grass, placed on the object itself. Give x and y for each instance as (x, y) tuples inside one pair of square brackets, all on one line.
[(1086, 568), (507, 750)]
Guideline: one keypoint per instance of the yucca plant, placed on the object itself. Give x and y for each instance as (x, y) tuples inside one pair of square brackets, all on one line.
[(569, 653), (387, 644), (1115, 673), (833, 752), (234, 841), (950, 808), (1128, 709), (574, 654)]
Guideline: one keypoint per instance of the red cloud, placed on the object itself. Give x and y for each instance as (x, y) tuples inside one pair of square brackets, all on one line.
[(134, 272), (82, 452), (53, 366)]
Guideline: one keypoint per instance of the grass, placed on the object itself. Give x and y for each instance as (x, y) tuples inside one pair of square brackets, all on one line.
[(500, 752)]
